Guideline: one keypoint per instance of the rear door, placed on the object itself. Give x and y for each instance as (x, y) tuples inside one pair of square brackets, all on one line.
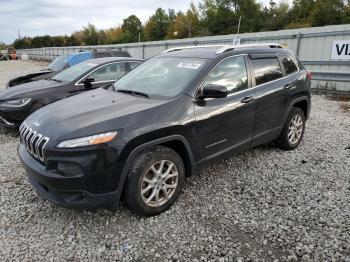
[(223, 124), (272, 85)]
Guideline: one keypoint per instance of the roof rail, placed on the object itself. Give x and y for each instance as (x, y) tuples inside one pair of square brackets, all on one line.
[(192, 47), (259, 45)]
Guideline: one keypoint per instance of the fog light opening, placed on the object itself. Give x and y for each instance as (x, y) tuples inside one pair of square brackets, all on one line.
[(69, 169)]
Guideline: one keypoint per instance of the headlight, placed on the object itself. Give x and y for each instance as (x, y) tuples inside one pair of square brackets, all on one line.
[(88, 141), (16, 102)]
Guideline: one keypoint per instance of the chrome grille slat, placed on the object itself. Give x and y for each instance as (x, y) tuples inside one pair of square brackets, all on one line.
[(26, 137), (33, 141), (31, 138), (36, 152), (25, 131)]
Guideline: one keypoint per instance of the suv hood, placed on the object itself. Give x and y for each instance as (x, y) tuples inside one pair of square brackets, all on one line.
[(26, 90), (90, 113)]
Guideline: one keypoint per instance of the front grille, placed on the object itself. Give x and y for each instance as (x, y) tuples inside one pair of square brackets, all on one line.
[(33, 141)]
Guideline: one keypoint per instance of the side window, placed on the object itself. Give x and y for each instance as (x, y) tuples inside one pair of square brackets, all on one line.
[(266, 70), (109, 72), (231, 73), (289, 65)]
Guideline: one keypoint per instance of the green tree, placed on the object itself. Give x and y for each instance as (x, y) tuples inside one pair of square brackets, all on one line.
[(90, 35), (185, 25), (217, 17), (222, 16), (251, 13), (58, 41), (276, 16), (157, 26), (131, 27), (328, 12), (299, 15), (113, 35), (23, 43), (76, 39)]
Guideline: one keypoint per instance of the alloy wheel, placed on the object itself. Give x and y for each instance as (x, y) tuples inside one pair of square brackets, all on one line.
[(159, 183), (296, 128)]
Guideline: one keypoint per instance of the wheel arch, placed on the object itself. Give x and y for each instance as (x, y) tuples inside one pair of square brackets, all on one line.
[(176, 142), (301, 102), (303, 105)]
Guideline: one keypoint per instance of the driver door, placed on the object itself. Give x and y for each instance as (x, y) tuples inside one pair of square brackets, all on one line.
[(225, 124)]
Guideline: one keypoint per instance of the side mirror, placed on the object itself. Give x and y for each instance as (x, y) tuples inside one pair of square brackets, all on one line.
[(88, 82), (213, 91)]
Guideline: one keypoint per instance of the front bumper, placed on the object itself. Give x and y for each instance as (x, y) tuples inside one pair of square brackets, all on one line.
[(13, 117), (71, 192), (8, 123)]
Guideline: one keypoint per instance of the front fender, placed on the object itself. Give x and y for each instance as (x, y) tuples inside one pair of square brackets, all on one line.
[(130, 155)]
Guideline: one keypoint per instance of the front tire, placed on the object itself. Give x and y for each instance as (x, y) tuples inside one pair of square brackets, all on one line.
[(293, 130), (155, 181)]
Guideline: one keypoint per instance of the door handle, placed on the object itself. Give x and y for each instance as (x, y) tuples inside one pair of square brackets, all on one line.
[(247, 99), (289, 86)]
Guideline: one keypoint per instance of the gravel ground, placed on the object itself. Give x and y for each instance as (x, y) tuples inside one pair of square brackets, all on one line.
[(261, 205)]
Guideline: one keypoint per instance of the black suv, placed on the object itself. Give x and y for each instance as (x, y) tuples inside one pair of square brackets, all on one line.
[(163, 121)]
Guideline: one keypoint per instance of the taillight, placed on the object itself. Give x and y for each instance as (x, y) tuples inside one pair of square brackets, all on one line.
[(309, 75)]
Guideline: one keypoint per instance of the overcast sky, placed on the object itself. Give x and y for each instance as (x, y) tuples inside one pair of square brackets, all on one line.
[(60, 17)]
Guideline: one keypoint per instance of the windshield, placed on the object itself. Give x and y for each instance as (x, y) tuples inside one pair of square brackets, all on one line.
[(162, 76), (58, 64), (72, 73)]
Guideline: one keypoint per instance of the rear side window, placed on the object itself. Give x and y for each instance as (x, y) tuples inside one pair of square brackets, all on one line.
[(289, 65), (109, 72), (266, 70), (230, 73)]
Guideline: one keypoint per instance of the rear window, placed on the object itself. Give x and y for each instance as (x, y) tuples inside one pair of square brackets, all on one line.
[(266, 70), (289, 65)]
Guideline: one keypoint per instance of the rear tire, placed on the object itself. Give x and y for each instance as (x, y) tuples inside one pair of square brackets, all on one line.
[(293, 130), (155, 181)]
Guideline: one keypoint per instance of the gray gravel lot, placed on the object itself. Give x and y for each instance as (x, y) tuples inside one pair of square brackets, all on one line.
[(261, 205)]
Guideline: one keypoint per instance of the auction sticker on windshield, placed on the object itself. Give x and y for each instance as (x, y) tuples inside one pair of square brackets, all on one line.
[(189, 66)]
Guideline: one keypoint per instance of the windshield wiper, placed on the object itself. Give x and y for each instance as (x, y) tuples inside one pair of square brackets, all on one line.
[(106, 86), (56, 80), (134, 93)]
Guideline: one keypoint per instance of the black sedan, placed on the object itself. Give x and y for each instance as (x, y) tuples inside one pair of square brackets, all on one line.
[(63, 62), (18, 102)]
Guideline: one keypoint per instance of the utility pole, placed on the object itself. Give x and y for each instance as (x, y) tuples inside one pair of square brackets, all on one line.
[(237, 41), (239, 25), (19, 35), (139, 31)]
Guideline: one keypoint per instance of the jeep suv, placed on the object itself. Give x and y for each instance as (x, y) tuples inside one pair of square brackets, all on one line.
[(171, 116)]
